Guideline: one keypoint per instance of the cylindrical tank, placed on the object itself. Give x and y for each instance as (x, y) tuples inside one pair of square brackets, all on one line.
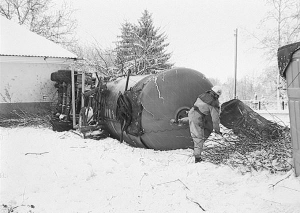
[(154, 101)]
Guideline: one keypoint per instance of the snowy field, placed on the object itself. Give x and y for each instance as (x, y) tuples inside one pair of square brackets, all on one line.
[(46, 171)]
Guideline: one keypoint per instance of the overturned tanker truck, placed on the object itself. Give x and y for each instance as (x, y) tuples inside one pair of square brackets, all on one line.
[(136, 109)]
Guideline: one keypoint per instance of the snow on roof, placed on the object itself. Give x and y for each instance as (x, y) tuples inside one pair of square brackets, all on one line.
[(16, 40)]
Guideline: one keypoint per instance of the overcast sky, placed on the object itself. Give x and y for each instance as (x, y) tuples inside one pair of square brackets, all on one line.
[(200, 32)]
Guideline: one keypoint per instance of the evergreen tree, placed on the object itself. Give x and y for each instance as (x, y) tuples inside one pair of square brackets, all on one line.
[(141, 48), (126, 48)]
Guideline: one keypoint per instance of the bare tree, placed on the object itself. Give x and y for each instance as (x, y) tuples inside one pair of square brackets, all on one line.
[(95, 59), (39, 16), (281, 26)]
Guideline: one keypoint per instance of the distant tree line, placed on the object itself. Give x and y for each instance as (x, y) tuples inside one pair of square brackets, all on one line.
[(281, 26), (262, 85)]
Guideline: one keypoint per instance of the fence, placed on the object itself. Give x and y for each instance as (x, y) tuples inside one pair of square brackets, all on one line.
[(266, 104)]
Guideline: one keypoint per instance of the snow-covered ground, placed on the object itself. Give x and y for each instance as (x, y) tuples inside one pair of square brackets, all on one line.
[(46, 171)]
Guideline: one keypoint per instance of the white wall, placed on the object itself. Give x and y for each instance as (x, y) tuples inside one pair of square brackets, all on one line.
[(27, 79)]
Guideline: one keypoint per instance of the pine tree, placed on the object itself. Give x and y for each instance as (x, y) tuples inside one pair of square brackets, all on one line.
[(141, 48), (127, 47)]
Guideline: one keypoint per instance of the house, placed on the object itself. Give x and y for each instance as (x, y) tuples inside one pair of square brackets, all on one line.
[(26, 63)]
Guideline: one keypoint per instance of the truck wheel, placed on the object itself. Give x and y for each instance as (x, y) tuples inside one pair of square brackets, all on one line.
[(61, 76)]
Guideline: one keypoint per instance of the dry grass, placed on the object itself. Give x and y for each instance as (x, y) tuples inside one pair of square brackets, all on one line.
[(247, 154), (21, 118)]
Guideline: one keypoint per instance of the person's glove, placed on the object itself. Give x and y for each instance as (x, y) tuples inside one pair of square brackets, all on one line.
[(177, 122), (173, 121), (219, 133)]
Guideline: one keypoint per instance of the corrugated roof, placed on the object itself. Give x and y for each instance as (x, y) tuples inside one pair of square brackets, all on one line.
[(16, 40)]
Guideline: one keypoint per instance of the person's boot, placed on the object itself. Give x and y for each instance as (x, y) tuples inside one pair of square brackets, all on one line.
[(198, 159)]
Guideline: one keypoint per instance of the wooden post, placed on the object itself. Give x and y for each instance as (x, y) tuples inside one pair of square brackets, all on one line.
[(82, 88), (73, 99), (235, 62), (127, 80)]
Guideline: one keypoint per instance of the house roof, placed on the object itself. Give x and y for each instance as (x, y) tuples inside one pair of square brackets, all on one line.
[(16, 40), (285, 56)]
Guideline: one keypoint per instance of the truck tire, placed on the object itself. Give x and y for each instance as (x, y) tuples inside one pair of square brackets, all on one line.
[(61, 76)]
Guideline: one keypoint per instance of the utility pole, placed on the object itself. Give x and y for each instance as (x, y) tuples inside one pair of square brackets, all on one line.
[(235, 62)]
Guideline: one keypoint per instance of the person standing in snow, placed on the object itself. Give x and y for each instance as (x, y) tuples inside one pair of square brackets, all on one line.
[(206, 103)]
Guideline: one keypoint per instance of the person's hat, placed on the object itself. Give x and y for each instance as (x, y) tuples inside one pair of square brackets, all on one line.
[(217, 90)]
